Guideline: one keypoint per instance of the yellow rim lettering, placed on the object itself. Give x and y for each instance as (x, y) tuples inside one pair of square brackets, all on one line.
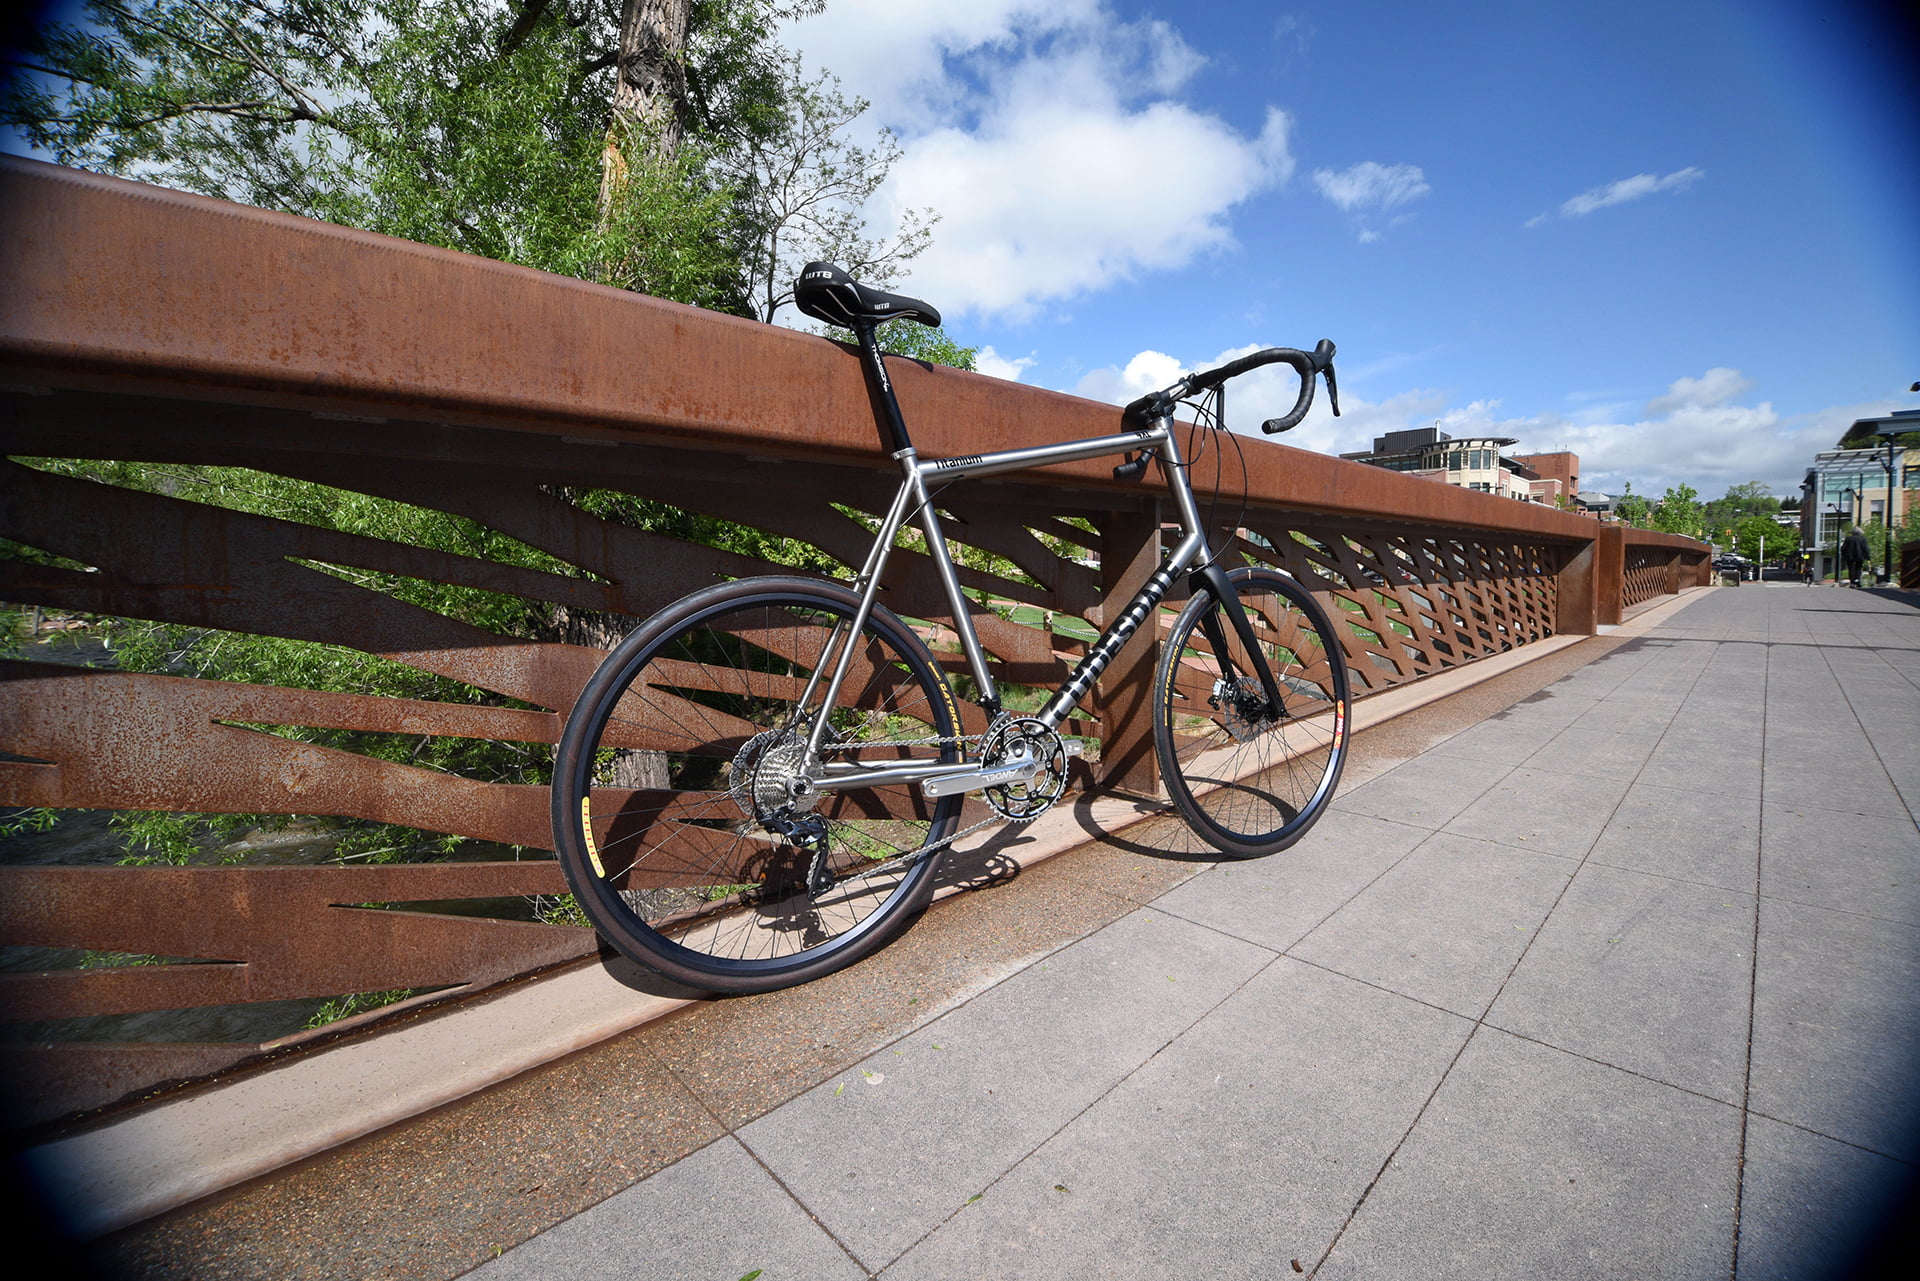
[(586, 830)]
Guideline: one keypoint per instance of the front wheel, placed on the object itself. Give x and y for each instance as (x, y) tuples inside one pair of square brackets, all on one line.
[(685, 809), (1248, 777)]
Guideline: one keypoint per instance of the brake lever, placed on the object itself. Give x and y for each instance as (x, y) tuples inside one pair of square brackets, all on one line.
[(1323, 361)]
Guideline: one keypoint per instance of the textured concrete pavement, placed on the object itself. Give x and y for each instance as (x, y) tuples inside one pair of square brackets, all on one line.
[(1623, 981)]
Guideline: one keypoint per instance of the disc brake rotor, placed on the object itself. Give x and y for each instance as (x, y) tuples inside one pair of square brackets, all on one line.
[(1242, 705)]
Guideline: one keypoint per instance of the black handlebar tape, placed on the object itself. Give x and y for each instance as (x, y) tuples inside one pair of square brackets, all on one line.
[(1234, 368), (1135, 468)]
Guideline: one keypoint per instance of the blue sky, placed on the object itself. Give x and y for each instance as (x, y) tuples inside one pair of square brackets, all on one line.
[(1680, 239)]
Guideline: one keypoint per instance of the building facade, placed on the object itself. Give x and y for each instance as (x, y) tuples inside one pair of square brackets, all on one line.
[(1848, 487), (1562, 465), (1474, 463)]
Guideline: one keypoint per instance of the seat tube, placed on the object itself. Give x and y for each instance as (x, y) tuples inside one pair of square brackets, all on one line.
[(950, 584)]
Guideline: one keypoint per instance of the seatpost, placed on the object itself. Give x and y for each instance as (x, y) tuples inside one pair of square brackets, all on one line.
[(886, 409)]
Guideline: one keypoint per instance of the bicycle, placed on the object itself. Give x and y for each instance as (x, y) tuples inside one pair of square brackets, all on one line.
[(755, 787)]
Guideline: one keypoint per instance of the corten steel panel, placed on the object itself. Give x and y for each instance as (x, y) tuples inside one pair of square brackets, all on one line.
[(143, 325), (205, 299), (263, 934), (1130, 553), (1610, 551), (1577, 594)]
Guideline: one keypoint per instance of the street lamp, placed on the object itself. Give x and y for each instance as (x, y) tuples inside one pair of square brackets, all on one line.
[(1833, 507), (1887, 433)]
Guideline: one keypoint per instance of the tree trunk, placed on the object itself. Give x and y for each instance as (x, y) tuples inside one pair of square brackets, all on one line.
[(649, 92)]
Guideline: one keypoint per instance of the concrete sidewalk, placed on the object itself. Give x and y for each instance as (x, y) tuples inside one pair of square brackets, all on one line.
[(1622, 981)]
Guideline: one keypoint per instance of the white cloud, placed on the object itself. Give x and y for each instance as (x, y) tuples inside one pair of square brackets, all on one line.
[(1269, 392), (1369, 185), (1027, 128), (1697, 434), (1715, 387), (1148, 371), (1370, 188), (994, 365), (895, 55), (1637, 187)]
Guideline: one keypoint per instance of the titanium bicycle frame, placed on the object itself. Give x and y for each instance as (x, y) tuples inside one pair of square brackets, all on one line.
[(913, 502)]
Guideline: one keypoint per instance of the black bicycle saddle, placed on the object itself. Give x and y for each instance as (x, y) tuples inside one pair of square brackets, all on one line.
[(827, 293)]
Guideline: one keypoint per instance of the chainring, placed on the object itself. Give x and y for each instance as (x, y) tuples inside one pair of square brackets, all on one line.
[(1021, 738)]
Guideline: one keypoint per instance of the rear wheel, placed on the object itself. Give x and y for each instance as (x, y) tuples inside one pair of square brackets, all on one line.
[(1250, 778), (683, 810)]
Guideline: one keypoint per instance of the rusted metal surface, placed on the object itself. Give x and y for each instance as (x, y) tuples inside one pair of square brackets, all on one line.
[(266, 933), (119, 285), (144, 326)]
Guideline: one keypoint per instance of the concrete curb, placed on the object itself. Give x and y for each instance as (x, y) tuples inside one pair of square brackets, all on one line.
[(178, 1150)]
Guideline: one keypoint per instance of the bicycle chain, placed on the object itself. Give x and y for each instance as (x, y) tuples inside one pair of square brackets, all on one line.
[(907, 860)]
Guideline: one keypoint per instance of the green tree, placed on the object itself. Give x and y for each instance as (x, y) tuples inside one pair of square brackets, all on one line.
[(400, 116), (1678, 512), (1749, 499), (1905, 531), (1764, 536), (1632, 509)]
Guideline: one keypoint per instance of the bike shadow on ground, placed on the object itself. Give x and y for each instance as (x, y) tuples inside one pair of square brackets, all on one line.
[(1151, 828), (999, 860)]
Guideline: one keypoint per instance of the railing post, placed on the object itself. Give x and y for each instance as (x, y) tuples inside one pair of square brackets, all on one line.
[(1575, 603), (1130, 552), (1609, 575), (1672, 586)]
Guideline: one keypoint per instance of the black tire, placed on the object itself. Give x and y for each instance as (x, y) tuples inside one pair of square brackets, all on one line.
[(1248, 784), (671, 766)]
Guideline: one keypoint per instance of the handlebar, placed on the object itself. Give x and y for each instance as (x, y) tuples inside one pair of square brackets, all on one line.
[(1159, 404)]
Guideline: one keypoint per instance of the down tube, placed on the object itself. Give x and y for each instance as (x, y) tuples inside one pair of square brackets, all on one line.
[(1075, 687)]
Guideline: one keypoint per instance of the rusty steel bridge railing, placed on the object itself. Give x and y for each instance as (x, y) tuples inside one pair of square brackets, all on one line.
[(144, 326)]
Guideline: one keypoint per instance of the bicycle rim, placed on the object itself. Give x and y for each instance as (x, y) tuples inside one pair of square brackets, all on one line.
[(673, 812), (1248, 784)]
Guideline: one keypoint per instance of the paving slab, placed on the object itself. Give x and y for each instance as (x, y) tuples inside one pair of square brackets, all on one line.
[(1711, 837), (1811, 1206), (1426, 791), (1867, 864), (1250, 1137), (1445, 924), (1509, 736), (918, 1129), (1830, 769), (1644, 973), (1531, 1162), (1277, 901), (1543, 811), (1617, 754), (1836, 1026), (1723, 755), (717, 1214)]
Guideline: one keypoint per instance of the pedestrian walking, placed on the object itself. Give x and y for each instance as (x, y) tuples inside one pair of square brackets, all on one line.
[(1854, 553)]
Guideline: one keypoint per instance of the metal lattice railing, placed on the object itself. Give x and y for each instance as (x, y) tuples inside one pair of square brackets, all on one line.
[(275, 348)]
